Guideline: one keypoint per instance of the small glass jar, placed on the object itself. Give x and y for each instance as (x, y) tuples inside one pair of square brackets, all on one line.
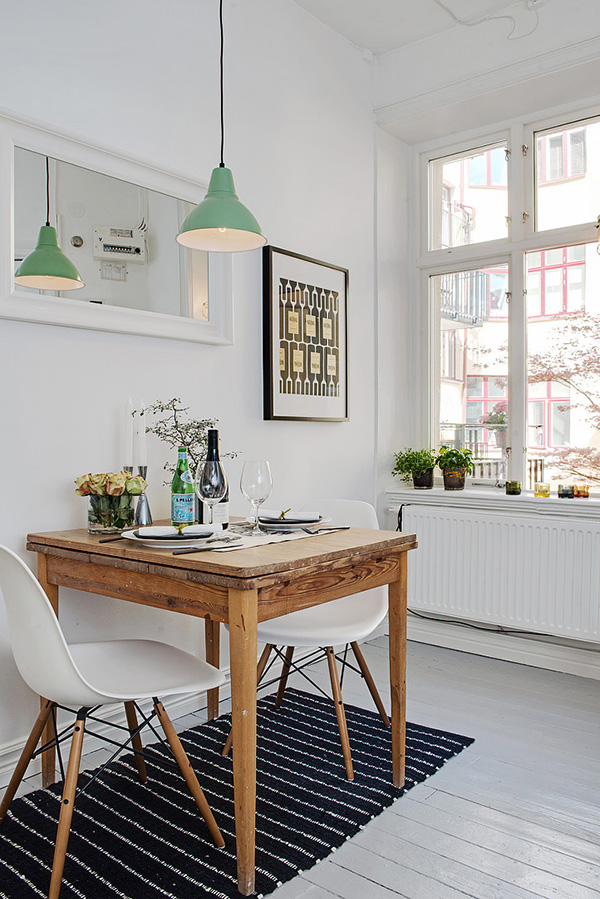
[(513, 488), (581, 491), (541, 490), (566, 491)]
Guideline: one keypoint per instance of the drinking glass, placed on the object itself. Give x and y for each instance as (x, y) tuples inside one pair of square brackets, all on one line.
[(256, 484), (210, 484)]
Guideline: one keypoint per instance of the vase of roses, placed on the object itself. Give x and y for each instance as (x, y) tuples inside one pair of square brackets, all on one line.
[(110, 496)]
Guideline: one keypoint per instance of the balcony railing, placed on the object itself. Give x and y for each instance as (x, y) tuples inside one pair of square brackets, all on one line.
[(463, 297)]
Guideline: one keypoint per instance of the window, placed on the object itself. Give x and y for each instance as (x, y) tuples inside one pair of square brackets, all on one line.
[(567, 175), (489, 169), (561, 155), (542, 294), (556, 282), (468, 198), (471, 398)]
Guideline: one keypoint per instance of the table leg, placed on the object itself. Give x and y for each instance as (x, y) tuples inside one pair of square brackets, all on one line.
[(242, 643), (397, 619), (49, 756), (212, 642)]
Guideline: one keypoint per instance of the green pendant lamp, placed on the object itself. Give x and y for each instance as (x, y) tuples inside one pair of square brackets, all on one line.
[(47, 268), (220, 223)]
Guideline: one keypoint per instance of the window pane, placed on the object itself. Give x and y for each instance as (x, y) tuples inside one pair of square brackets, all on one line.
[(498, 167), (560, 423), (564, 368), (567, 176), (472, 411), (468, 200)]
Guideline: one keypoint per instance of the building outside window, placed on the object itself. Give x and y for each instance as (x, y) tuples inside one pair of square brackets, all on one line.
[(514, 302)]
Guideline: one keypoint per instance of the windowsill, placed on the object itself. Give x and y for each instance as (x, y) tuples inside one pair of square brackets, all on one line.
[(494, 499)]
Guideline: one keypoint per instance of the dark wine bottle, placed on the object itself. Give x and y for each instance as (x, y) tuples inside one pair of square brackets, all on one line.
[(221, 510)]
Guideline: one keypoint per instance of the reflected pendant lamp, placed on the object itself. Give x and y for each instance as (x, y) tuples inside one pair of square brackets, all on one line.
[(220, 223), (47, 267)]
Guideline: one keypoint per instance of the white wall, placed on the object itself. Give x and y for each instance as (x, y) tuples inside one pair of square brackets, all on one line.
[(142, 78)]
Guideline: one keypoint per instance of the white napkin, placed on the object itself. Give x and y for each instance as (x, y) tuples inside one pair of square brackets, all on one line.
[(191, 530)]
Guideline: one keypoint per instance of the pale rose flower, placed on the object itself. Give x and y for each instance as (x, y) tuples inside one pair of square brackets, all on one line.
[(98, 484), (135, 486), (83, 485), (115, 483)]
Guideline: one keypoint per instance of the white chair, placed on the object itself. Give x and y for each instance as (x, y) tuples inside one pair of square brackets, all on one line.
[(341, 621), (84, 676)]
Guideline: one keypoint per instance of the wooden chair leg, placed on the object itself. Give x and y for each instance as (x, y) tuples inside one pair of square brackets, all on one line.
[(370, 683), (136, 743), (25, 757), (188, 772), (339, 711), (262, 664), (285, 670), (66, 808)]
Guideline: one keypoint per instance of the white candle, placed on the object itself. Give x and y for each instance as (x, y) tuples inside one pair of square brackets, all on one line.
[(129, 425), (142, 459)]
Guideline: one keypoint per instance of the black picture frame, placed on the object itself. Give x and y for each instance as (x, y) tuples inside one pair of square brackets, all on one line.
[(305, 338)]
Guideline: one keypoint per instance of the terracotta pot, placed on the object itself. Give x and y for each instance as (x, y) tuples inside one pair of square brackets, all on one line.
[(454, 478), (423, 481)]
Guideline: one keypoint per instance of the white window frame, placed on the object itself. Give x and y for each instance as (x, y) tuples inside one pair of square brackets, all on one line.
[(522, 237)]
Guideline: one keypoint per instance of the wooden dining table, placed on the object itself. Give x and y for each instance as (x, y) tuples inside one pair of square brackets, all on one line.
[(241, 588)]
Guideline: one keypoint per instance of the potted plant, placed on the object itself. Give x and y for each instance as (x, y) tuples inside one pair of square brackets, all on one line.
[(455, 464), (497, 420), (416, 464)]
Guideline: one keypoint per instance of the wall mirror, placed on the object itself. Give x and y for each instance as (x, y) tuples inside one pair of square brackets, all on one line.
[(116, 220)]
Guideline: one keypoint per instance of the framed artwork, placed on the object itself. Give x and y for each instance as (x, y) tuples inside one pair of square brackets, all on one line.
[(305, 349)]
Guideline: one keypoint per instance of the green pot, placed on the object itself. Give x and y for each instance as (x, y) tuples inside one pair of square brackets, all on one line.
[(454, 478)]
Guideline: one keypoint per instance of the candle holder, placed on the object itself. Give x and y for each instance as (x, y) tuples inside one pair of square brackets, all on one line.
[(142, 516), (513, 488)]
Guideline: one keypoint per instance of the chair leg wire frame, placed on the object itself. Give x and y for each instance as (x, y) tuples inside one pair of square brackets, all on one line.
[(288, 665), (71, 789)]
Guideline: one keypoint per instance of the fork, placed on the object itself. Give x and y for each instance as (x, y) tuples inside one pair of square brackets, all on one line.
[(325, 530)]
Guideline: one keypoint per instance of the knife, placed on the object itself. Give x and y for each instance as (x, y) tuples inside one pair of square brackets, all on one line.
[(224, 541)]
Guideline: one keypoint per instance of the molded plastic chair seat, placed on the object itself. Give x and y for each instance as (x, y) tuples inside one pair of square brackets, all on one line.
[(340, 621), (120, 669), (344, 620), (85, 675)]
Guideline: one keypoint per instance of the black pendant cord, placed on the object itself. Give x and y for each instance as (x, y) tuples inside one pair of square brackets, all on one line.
[(222, 164), (47, 192)]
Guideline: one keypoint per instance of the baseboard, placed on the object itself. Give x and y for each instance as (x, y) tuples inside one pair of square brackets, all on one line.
[(177, 707), (534, 651)]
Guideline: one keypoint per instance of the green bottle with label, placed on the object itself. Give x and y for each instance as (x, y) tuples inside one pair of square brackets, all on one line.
[(182, 491)]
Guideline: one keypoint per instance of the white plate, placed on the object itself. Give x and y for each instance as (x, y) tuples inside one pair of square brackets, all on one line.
[(161, 543), (288, 525)]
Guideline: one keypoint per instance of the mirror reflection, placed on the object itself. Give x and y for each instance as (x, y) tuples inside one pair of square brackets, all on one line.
[(120, 236)]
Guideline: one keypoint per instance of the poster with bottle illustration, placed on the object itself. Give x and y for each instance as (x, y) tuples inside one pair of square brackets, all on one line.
[(305, 338)]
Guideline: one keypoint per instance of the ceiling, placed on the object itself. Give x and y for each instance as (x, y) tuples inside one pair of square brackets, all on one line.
[(385, 25)]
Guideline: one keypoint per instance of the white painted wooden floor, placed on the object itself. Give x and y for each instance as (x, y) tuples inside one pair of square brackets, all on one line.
[(515, 816)]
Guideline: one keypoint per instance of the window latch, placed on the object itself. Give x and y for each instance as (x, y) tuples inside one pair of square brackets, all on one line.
[(507, 295), (524, 149), (525, 217)]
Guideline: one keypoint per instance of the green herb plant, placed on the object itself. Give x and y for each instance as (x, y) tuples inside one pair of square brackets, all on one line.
[(450, 457), (411, 462)]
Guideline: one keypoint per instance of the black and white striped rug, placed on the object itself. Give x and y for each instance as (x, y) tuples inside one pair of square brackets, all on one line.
[(134, 841)]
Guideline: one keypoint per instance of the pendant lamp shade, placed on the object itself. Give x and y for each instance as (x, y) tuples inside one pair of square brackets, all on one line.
[(47, 267), (220, 223)]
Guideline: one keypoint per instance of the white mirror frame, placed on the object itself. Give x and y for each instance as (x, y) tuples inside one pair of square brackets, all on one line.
[(72, 313)]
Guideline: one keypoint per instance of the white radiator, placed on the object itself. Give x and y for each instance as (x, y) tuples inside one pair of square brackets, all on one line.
[(528, 572)]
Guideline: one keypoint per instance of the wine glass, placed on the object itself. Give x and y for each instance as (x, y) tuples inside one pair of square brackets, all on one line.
[(210, 484), (256, 484)]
